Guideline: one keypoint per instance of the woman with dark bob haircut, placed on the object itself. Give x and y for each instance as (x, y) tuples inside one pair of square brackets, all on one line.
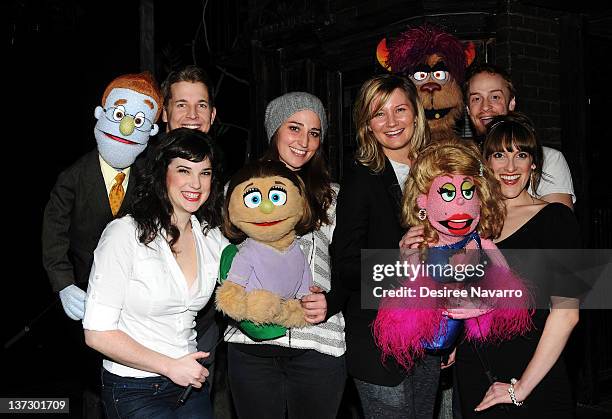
[(153, 270), (531, 378)]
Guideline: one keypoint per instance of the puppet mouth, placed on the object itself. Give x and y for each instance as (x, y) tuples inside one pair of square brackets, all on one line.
[(268, 223), (121, 140), (458, 224), (436, 113)]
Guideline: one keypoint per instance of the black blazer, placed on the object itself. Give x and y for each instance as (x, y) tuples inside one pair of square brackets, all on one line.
[(75, 216), (367, 217)]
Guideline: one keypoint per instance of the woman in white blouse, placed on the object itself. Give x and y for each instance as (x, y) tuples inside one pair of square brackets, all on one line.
[(153, 270)]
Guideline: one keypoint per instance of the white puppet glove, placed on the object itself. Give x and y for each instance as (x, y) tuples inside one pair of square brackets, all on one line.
[(73, 301)]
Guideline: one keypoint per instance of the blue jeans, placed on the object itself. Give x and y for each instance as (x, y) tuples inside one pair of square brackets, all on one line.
[(309, 385), (151, 397)]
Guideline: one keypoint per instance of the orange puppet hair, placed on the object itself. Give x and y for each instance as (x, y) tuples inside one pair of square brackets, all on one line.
[(142, 83)]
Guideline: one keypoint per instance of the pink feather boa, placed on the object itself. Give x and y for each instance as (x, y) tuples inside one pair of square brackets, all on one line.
[(403, 325)]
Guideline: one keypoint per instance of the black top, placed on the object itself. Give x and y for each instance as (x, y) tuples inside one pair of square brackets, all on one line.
[(367, 217), (553, 227)]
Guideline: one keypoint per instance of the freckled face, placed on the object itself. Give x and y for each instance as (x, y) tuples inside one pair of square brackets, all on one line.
[(452, 204)]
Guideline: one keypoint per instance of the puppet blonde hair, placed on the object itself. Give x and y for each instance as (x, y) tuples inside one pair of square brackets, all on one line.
[(451, 157)]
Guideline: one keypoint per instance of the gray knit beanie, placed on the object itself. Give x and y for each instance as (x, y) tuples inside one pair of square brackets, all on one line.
[(281, 108)]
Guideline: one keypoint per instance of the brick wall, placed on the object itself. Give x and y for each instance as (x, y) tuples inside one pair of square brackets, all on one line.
[(527, 43)]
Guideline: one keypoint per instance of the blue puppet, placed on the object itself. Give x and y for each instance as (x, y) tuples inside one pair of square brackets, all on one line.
[(90, 193)]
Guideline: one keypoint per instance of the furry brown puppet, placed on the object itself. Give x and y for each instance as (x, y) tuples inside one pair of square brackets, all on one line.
[(265, 208), (435, 61)]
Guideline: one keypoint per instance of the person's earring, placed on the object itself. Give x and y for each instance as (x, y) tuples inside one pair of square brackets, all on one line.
[(422, 215)]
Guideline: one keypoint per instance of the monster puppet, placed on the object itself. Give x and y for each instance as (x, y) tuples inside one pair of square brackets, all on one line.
[(435, 61), (88, 195), (456, 199), (266, 206)]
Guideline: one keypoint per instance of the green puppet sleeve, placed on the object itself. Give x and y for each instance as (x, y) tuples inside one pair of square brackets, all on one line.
[(257, 333)]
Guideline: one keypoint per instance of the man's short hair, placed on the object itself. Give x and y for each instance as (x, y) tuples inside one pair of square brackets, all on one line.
[(482, 67), (191, 73)]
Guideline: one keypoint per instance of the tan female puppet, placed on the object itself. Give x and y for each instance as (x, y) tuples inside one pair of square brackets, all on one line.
[(265, 209)]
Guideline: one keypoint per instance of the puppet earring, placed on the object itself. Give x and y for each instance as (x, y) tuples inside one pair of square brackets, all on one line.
[(422, 215), (481, 170)]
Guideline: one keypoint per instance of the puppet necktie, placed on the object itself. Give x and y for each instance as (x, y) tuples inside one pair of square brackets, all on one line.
[(115, 197)]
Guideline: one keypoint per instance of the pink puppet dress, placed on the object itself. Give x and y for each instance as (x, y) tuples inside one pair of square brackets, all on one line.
[(407, 328)]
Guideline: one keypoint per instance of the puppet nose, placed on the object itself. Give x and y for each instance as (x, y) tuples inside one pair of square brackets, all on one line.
[(127, 125), (431, 87), (266, 206)]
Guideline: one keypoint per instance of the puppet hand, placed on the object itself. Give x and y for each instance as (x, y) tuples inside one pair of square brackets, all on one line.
[(231, 300), (262, 306), (291, 314), (465, 313), (73, 301)]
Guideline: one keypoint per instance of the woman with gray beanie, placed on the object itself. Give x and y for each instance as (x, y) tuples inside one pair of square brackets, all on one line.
[(301, 374)]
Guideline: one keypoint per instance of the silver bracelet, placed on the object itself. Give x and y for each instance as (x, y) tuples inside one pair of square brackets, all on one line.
[(513, 381)]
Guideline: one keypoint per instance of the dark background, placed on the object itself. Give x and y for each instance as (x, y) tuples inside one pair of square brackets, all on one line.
[(60, 55)]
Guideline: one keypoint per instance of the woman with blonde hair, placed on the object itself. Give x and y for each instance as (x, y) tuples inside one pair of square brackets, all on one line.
[(391, 130)]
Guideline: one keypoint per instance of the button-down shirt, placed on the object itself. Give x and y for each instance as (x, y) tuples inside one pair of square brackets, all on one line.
[(109, 173), (142, 291)]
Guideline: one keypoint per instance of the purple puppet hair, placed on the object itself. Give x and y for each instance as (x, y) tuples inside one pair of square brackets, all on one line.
[(413, 47)]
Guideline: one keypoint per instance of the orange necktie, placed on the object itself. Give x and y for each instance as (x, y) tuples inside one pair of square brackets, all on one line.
[(115, 197)]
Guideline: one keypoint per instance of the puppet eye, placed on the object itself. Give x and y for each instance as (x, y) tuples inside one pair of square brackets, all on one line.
[(447, 192), (139, 119), (420, 75), (118, 113), (252, 198), (467, 189), (277, 195), (440, 75)]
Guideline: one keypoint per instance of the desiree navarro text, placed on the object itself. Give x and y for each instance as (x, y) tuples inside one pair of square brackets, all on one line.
[(423, 292)]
